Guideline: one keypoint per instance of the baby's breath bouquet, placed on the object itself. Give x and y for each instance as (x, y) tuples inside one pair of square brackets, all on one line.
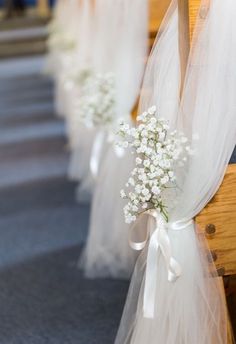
[(159, 153), (96, 104)]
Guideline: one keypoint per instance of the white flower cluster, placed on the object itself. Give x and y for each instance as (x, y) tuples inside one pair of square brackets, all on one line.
[(96, 101), (159, 153)]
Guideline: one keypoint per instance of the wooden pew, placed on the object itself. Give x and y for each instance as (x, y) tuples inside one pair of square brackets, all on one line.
[(43, 8), (157, 10)]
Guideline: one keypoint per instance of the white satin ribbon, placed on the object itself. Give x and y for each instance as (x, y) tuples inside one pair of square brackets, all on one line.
[(96, 153), (159, 243), (101, 138)]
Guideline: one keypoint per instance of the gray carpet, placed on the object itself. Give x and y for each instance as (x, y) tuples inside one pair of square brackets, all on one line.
[(43, 296)]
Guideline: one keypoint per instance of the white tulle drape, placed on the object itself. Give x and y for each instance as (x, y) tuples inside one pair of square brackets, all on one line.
[(192, 309), (107, 252), (81, 137), (57, 24), (71, 44), (107, 23), (62, 44)]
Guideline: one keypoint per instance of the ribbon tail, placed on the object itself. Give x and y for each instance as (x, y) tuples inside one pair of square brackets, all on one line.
[(173, 267), (151, 278), (159, 243), (174, 270), (96, 153)]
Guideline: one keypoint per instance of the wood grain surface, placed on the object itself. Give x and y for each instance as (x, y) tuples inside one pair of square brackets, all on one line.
[(221, 212)]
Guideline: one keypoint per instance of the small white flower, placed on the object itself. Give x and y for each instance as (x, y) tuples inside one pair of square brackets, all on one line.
[(131, 181), (138, 161), (145, 192), (153, 120), (152, 168), (152, 110), (128, 219), (132, 196), (144, 133), (158, 161), (134, 133), (144, 141), (156, 190), (149, 151), (143, 148), (146, 163), (164, 180), (142, 177), (147, 197), (122, 194), (134, 208), (138, 189), (167, 163), (137, 143), (141, 127), (151, 176)]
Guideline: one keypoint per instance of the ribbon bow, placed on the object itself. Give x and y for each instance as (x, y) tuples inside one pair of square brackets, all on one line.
[(159, 243)]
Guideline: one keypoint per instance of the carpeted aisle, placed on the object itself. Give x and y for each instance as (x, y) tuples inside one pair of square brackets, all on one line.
[(43, 296)]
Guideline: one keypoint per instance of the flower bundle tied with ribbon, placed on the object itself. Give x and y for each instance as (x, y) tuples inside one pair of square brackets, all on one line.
[(96, 108), (159, 155)]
